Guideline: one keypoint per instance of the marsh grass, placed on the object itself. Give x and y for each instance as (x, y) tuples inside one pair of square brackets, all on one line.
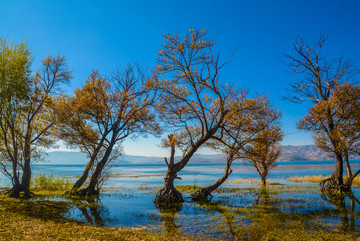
[(278, 213), (49, 184), (318, 179), (43, 220)]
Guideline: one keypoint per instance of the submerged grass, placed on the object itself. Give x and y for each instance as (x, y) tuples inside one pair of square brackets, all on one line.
[(34, 220), (278, 212)]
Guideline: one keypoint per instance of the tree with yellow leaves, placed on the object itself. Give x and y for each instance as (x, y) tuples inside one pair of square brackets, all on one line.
[(263, 149), (192, 101), (26, 123), (101, 114), (343, 140), (244, 127), (195, 106), (320, 83)]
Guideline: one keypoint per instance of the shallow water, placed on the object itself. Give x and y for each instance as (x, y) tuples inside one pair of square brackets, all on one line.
[(128, 200)]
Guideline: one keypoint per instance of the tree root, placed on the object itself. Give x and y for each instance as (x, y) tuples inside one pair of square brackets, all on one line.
[(328, 184), (85, 192), (168, 196), (204, 194)]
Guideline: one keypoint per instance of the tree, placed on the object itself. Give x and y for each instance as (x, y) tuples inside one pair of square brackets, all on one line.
[(242, 128), (37, 114), (101, 114), (264, 149), (26, 118), (192, 101), (15, 63), (343, 109), (320, 79)]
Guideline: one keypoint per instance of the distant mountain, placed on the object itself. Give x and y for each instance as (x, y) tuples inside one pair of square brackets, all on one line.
[(302, 153), (289, 153), (76, 158)]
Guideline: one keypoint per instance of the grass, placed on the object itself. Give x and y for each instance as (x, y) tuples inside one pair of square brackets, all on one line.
[(272, 218), (30, 220), (279, 212), (318, 179), (43, 184), (308, 179)]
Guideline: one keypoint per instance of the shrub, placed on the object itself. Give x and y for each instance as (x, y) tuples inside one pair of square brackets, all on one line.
[(41, 182)]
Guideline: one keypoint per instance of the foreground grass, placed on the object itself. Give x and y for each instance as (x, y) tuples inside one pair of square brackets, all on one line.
[(43, 220)]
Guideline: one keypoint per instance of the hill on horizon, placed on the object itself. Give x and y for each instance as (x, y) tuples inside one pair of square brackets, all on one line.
[(289, 153)]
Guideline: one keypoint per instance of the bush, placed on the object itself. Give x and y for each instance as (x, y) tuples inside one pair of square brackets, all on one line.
[(41, 182)]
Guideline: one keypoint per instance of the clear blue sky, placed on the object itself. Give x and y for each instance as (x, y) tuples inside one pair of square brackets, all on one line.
[(105, 34)]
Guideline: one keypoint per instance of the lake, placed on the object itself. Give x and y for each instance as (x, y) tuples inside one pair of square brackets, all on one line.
[(128, 197)]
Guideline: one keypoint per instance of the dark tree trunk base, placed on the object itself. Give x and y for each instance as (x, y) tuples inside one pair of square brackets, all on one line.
[(18, 192), (168, 196), (14, 192), (330, 185), (204, 194), (86, 192)]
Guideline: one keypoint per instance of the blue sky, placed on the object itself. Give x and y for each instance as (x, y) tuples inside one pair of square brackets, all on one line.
[(102, 35)]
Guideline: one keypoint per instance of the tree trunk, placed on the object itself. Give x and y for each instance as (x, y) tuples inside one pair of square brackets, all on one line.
[(84, 176), (88, 167), (349, 179), (263, 181), (94, 181), (336, 182), (168, 194), (205, 193), (337, 177), (16, 189), (26, 177), (347, 164)]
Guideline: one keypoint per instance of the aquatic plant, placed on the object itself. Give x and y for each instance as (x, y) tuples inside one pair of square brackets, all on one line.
[(318, 179), (42, 182)]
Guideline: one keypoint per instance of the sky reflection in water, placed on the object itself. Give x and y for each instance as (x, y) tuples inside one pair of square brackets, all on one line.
[(124, 204)]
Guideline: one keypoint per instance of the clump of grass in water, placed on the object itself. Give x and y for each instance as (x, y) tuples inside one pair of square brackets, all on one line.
[(307, 179), (187, 188), (43, 183), (318, 179)]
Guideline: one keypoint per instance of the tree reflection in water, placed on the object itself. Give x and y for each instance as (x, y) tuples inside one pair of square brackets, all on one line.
[(92, 210), (347, 213), (226, 212), (264, 201), (169, 212)]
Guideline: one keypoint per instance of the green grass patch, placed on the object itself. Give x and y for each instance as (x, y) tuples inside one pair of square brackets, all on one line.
[(188, 189), (43, 184)]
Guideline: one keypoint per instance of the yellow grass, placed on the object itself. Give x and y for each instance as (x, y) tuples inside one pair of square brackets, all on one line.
[(318, 179)]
